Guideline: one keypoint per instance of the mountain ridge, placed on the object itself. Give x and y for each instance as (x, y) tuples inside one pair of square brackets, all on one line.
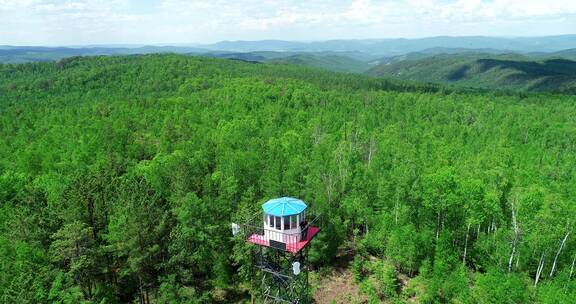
[(505, 71)]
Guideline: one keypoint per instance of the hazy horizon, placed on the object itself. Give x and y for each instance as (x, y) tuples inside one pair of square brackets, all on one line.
[(173, 22), (192, 44)]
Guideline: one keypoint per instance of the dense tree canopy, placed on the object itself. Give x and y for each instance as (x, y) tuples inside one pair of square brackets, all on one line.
[(119, 177)]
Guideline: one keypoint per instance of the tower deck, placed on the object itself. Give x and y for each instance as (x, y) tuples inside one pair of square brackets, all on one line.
[(293, 247)]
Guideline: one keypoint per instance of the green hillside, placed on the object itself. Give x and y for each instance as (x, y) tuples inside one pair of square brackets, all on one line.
[(514, 72), (334, 61), (329, 62), (566, 54), (438, 51), (120, 177)]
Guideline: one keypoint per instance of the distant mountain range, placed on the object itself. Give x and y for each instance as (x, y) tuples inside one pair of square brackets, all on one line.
[(392, 47), (521, 63), (369, 49), (22, 54)]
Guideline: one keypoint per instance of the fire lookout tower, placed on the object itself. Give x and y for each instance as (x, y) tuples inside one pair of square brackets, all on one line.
[(282, 236)]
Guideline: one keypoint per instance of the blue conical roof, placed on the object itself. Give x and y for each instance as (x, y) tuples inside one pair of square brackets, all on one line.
[(284, 206)]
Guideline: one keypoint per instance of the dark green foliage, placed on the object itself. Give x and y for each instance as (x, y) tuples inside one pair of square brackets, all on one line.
[(120, 176)]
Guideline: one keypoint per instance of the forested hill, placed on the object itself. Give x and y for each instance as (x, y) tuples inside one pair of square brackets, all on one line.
[(120, 176), (329, 62), (514, 72)]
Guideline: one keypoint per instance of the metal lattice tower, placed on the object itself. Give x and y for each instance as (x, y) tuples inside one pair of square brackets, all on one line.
[(279, 284), (280, 257)]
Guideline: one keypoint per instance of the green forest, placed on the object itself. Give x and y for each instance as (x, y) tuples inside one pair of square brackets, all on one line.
[(120, 177)]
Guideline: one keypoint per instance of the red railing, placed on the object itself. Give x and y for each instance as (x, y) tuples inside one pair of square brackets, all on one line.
[(289, 241)]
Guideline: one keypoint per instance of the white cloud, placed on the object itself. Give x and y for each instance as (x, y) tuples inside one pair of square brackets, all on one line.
[(101, 21), (495, 8)]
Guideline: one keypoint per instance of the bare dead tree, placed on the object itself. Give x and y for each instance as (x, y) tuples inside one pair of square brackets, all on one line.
[(466, 244), (478, 231), (539, 269), (516, 236), (558, 253), (371, 148)]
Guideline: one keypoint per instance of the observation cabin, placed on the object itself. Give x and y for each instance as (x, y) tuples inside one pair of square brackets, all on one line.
[(285, 225)]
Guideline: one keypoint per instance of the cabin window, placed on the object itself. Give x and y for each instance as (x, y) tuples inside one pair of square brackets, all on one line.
[(271, 221), (293, 222), (287, 222), (278, 222)]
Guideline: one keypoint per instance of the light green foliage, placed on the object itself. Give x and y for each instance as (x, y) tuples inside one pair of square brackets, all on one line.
[(64, 292), (386, 276), (559, 291), (402, 247), (497, 287), (72, 249), (120, 176), (358, 268), (378, 279), (170, 292), (368, 287)]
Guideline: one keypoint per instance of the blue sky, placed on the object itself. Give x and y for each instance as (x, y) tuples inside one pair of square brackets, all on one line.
[(80, 22)]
